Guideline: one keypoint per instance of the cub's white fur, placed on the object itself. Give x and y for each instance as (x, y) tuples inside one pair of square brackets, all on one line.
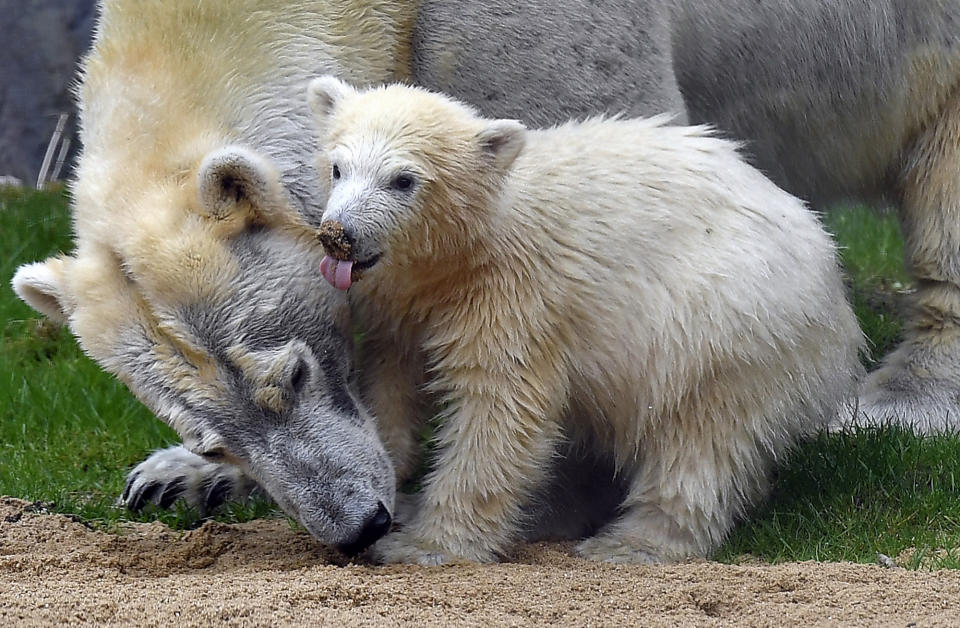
[(635, 286)]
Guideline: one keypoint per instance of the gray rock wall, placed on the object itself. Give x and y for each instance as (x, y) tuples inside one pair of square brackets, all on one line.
[(41, 44)]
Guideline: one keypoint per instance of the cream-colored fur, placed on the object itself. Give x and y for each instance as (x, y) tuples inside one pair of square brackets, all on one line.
[(156, 101), (635, 286), (195, 134)]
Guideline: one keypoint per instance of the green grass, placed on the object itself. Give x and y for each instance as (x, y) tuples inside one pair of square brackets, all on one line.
[(872, 251), (69, 432), (853, 496)]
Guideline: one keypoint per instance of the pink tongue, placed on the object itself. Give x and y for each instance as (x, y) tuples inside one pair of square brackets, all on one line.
[(337, 272), (325, 267), (342, 275)]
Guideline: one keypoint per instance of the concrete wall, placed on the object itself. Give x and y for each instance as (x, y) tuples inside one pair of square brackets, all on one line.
[(42, 40)]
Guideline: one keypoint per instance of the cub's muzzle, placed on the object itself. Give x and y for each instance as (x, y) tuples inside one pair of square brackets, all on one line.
[(335, 240), (339, 266)]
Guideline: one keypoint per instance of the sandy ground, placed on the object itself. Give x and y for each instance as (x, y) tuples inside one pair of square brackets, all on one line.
[(55, 570)]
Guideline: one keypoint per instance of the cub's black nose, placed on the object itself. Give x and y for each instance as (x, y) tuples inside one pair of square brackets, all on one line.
[(376, 526), (336, 239)]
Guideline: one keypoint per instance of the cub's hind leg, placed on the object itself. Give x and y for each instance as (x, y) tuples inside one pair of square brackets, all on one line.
[(690, 482)]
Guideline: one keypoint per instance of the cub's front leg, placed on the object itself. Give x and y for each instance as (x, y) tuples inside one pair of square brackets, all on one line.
[(495, 444)]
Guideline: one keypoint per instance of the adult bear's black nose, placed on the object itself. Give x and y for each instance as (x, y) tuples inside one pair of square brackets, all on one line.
[(376, 526)]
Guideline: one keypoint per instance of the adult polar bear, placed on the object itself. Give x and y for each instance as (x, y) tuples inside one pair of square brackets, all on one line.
[(163, 281), (839, 100), (185, 284)]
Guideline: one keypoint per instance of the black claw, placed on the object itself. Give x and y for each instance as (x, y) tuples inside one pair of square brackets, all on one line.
[(170, 493), (218, 493), (142, 496), (126, 487)]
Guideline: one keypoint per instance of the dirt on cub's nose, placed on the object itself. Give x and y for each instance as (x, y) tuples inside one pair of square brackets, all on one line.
[(337, 267), (334, 239)]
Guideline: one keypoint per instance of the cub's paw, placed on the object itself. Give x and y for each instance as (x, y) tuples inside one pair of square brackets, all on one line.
[(175, 473), (612, 549), (405, 547)]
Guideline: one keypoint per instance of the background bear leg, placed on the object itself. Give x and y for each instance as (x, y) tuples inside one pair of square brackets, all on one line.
[(918, 384)]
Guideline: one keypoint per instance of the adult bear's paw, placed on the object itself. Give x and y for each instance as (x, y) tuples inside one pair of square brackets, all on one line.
[(917, 387), (175, 473)]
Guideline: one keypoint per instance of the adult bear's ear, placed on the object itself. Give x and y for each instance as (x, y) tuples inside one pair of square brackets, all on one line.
[(323, 94), (42, 286), (236, 180), (502, 141)]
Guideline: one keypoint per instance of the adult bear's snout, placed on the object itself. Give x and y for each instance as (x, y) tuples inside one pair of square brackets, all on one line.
[(377, 525)]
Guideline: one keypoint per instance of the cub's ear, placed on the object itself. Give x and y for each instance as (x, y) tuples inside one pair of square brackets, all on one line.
[(502, 141), (323, 94), (236, 179), (41, 285)]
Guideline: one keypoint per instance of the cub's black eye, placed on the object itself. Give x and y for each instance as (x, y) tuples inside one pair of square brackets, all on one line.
[(402, 182), (335, 172)]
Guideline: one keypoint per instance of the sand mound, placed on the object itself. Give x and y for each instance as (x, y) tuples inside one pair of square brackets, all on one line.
[(56, 570)]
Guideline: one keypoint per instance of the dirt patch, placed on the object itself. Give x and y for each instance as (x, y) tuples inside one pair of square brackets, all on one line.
[(334, 240), (54, 570)]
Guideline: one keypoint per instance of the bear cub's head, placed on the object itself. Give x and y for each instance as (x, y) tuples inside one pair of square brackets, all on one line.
[(413, 176)]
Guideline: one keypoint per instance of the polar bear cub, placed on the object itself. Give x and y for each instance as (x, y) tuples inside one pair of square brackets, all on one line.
[(633, 286)]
